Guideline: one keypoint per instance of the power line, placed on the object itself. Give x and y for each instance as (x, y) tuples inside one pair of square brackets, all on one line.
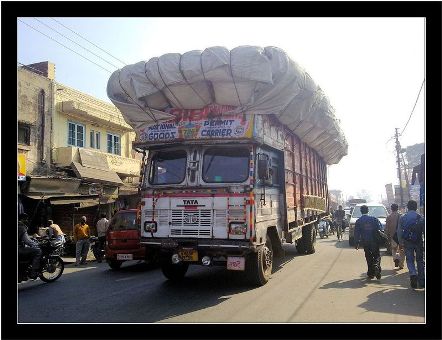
[(413, 106), (90, 42), (75, 43), (65, 46)]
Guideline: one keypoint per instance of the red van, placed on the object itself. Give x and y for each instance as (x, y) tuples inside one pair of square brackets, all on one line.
[(123, 239)]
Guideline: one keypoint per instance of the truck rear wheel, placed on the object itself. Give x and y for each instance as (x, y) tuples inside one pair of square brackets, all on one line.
[(259, 265), (306, 244), (173, 272)]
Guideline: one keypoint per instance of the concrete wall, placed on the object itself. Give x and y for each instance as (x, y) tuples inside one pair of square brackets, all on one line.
[(29, 86)]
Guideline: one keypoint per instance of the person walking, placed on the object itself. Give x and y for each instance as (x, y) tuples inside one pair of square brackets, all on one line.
[(366, 229), (56, 231), (410, 232), (102, 226), (81, 237), (391, 229), (339, 216)]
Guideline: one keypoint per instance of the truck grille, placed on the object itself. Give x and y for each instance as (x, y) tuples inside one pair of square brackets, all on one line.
[(191, 223)]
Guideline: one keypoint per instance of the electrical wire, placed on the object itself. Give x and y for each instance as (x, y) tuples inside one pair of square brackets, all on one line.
[(76, 43), (413, 107), (64, 46), (90, 42)]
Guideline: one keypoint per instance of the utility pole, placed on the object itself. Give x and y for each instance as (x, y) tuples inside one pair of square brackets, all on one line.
[(398, 150), (406, 178)]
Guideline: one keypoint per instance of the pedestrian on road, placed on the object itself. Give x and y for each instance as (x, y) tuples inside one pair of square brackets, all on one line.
[(411, 230), (102, 226), (56, 231), (391, 230), (339, 216), (366, 229), (81, 236)]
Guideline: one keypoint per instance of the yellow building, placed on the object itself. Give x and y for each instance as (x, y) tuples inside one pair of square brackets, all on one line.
[(77, 151)]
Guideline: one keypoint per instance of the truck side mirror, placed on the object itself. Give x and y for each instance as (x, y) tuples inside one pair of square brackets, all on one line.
[(263, 169)]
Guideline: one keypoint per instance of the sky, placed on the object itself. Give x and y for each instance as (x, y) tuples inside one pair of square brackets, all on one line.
[(371, 69)]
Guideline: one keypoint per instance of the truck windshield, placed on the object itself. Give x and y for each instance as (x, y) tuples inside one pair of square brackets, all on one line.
[(226, 165), (168, 167)]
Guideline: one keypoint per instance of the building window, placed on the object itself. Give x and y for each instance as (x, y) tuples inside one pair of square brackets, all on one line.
[(95, 139), (24, 134), (76, 134), (113, 144)]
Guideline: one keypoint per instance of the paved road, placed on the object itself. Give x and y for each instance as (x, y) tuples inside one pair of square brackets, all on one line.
[(328, 286)]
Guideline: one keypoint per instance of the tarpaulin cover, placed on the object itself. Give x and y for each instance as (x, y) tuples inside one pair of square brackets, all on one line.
[(253, 79)]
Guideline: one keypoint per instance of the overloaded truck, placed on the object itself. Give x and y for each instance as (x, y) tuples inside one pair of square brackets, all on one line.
[(235, 150)]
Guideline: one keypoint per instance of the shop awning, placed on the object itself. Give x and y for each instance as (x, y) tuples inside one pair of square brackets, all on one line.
[(127, 190), (88, 200), (96, 175)]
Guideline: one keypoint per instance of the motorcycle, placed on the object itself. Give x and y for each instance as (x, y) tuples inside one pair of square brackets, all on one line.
[(95, 247), (51, 265), (324, 229)]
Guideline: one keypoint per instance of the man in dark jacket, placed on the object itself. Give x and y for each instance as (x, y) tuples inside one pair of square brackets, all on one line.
[(410, 231), (27, 247), (339, 216), (366, 228)]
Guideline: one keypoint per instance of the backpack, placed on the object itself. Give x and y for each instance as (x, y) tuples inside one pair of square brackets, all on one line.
[(412, 232)]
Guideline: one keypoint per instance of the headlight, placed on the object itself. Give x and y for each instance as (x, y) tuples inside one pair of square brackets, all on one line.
[(150, 226), (237, 228)]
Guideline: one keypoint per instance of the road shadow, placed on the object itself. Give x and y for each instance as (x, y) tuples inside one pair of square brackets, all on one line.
[(200, 289), (396, 301), (394, 296)]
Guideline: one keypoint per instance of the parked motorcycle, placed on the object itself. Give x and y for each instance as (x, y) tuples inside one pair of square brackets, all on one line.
[(324, 229), (51, 264), (95, 247)]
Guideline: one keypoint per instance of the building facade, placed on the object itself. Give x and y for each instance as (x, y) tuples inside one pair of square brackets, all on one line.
[(76, 151)]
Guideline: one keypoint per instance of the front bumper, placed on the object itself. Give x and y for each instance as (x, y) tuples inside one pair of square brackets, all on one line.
[(205, 247)]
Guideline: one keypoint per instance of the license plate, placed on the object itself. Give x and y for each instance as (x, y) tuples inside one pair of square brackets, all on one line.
[(188, 254), (125, 257), (235, 263)]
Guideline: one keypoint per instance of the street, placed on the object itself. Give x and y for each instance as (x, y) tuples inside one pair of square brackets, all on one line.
[(328, 286)]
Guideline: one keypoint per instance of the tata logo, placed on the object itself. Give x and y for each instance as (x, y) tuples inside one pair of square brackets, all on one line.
[(190, 202)]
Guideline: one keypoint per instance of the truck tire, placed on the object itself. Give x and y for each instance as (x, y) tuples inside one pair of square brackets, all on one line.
[(351, 241), (259, 265), (115, 265), (173, 272), (310, 238), (306, 244)]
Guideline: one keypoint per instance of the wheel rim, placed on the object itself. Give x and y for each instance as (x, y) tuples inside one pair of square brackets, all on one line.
[(52, 269)]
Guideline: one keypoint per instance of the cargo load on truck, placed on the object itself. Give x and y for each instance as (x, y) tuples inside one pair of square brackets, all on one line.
[(247, 79), (235, 150)]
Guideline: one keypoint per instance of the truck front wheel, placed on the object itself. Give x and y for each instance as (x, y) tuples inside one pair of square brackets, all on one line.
[(259, 265), (173, 272)]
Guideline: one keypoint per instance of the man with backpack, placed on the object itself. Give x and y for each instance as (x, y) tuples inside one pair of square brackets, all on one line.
[(367, 229), (410, 231)]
